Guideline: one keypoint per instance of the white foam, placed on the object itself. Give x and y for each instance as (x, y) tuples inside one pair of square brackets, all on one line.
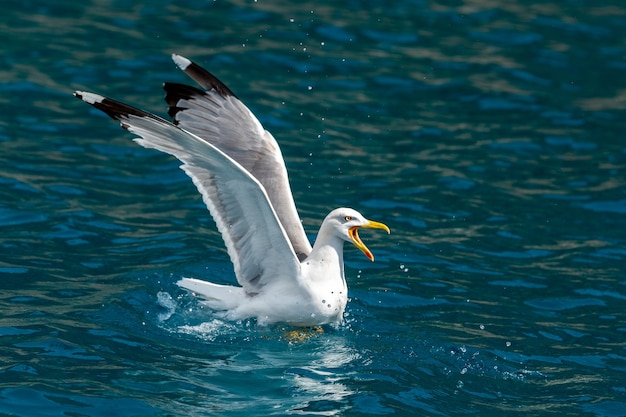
[(208, 330), (167, 302)]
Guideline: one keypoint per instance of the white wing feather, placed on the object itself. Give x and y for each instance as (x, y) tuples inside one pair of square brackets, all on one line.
[(255, 239)]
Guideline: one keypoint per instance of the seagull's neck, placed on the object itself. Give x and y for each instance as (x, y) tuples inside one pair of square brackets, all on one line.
[(328, 250), (332, 249)]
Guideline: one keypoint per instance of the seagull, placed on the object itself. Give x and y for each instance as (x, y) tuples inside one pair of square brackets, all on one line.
[(238, 168)]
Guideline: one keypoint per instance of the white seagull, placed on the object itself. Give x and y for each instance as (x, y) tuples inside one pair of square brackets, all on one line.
[(238, 168)]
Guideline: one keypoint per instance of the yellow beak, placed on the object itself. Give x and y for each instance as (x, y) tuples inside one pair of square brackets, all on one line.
[(354, 235)]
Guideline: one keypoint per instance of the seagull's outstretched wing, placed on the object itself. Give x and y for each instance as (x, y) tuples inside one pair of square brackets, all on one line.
[(218, 116), (256, 241)]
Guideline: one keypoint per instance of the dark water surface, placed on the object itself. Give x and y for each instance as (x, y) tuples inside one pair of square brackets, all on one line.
[(488, 135)]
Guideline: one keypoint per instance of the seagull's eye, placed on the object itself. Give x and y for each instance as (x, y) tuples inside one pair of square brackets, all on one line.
[(347, 218)]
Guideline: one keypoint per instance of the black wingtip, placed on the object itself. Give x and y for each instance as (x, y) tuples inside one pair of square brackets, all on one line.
[(203, 77), (112, 108), (116, 110), (176, 92)]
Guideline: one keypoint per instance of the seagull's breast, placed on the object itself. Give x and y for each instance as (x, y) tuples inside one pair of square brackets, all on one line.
[(326, 287)]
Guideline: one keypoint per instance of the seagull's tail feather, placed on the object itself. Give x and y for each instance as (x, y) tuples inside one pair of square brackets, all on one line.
[(218, 297)]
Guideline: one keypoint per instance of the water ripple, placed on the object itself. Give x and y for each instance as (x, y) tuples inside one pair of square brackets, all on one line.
[(488, 136)]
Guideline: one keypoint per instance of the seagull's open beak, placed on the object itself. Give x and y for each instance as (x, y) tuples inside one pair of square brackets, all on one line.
[(354, 235)]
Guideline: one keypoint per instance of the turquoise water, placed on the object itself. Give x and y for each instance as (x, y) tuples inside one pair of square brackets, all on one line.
[(489, 137)]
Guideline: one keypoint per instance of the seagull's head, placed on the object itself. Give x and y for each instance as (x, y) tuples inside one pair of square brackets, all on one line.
[(347, 221)]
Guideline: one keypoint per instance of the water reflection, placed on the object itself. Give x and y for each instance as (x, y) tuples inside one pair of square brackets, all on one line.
[(323, 387), (311, 370)]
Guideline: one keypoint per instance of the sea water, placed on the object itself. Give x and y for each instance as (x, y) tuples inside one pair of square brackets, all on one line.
[(489, 136)]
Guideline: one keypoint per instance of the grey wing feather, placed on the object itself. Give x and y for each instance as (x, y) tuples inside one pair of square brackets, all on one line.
[(220, 118)]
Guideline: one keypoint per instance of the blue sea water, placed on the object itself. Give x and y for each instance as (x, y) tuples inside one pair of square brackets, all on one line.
[(489, 136)]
